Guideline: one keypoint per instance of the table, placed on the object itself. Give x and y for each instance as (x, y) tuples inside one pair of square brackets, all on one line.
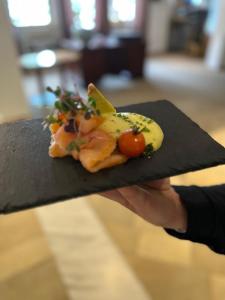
[(38, 62)]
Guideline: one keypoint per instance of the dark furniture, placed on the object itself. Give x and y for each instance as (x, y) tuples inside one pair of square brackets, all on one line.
[(187, 30), (127, 53)]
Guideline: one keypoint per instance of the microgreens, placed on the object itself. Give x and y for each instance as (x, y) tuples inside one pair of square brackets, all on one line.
[(92, 102), (70, 103), (75, 145), (149, 149)]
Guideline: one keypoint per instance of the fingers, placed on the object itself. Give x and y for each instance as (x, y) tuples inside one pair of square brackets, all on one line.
[(132, 197), (153, 201), (161, 184), (127, 192), (115, 195), (139, 197), (135, 196)]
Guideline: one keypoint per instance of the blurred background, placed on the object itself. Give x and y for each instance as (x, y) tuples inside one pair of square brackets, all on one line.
[(135, 51)]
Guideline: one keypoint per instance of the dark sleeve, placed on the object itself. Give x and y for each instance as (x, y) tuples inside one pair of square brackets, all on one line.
[(206, 216)]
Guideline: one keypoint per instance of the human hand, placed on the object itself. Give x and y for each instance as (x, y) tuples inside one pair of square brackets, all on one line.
[(157, 202)]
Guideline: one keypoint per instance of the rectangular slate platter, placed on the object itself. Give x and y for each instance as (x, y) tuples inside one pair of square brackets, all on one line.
[(30, 178)]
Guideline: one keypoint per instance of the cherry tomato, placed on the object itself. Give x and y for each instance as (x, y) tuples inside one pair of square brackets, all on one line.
[(131, 144)]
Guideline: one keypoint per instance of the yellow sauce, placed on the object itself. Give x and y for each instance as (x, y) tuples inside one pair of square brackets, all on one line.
[(117, 123)]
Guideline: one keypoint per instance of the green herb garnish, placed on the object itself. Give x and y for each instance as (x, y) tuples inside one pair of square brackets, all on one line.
[(69, 103), (72, 146), (50, 119), (145, 129), (138, 129), (125, 118), (92, 102), (135, 129), (57, 92), (75, 145), (149, 149), (61, 106)]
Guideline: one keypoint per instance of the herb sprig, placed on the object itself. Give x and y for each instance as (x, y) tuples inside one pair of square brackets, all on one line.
[(136, 126), (75, 145), (69, 103), (138, 129), (149, 150)]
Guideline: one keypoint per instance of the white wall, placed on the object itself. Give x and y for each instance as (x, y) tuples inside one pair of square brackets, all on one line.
[(12, 100), (215, 57), (158, 23)]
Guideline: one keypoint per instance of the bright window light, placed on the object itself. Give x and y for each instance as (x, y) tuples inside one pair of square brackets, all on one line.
[(46, 58), (197, 2), (84, 14), (122, 10), (26, 13)]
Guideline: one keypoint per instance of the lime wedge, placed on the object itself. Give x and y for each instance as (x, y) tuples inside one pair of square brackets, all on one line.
[(102, 104)]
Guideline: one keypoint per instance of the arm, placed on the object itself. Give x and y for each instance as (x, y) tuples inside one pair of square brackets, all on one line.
[(205, 208), (197, 212)]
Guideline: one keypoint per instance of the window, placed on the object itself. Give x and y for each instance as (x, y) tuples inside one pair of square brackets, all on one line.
[(84, 14), (203, 3), (122, 11), (196, 2), (26, 13)]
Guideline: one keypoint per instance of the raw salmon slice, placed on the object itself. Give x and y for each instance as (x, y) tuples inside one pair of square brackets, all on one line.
[(56, 151), (111, 161), (100, 147), (86, 126), (63, 138)]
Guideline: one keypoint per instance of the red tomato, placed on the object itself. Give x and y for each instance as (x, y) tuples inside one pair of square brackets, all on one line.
[(131, 144)]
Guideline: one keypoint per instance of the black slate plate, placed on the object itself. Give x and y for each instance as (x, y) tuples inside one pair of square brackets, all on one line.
[(30, 178)]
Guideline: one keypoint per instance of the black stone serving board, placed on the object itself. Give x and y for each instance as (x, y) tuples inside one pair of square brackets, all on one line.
[(30, 178)]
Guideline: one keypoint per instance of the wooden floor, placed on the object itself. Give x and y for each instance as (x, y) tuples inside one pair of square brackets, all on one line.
[(27, 267), (90, 263), (93, 248)]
